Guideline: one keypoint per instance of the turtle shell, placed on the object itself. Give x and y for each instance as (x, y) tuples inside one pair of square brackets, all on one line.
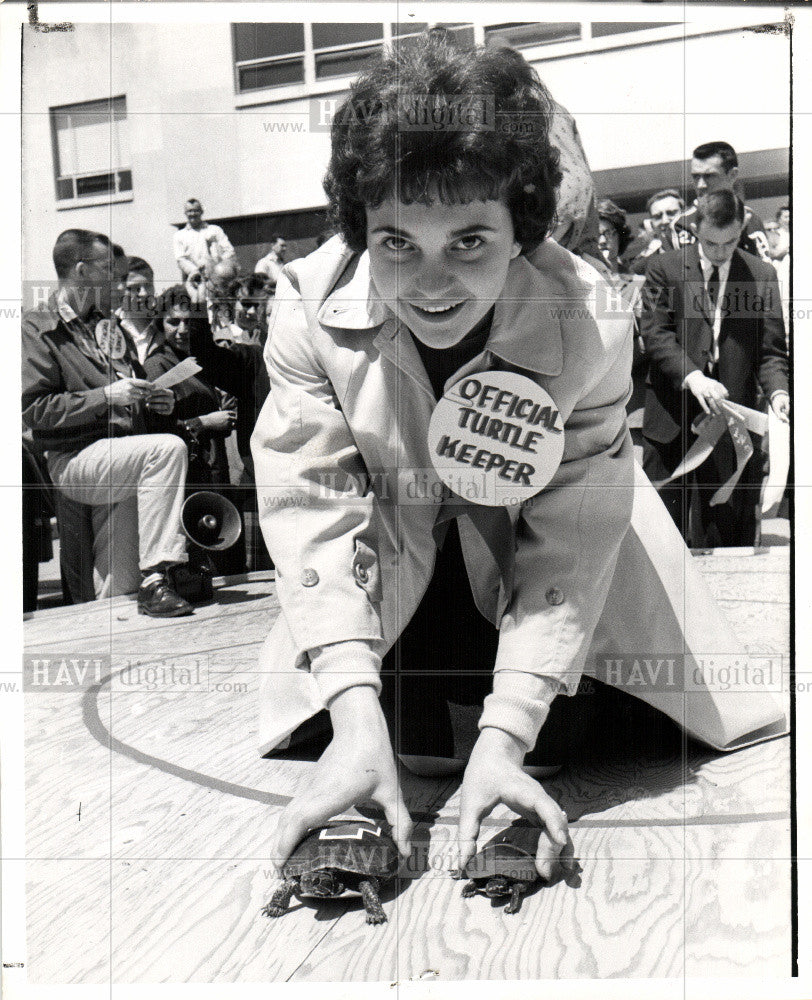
[(359, 846), (512, 854)]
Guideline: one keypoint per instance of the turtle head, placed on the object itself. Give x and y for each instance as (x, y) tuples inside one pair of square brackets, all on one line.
[(324, 883), (497, 885)]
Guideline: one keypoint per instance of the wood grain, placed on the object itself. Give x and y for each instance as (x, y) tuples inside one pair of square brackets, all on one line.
[(684, 858)]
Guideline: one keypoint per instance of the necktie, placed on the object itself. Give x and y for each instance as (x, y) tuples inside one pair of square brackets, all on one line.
[(713, 296)]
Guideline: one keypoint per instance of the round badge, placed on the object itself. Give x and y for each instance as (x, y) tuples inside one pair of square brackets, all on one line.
[(496, 438), (110, 339)]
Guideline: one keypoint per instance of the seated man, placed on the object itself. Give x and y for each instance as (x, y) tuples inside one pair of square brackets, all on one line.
[(136, 312), (90, 409)]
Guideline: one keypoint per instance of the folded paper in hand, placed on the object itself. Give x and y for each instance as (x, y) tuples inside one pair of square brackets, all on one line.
[(185, 369)]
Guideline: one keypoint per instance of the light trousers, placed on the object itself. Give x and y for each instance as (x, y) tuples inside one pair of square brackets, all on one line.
[(136, 488)]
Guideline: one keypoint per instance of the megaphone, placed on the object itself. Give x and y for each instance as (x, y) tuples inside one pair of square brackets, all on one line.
[(210, 521)]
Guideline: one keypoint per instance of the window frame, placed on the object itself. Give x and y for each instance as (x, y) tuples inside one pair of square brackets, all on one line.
[(307, 55), (545, 52), (119, 193), (311, 84)]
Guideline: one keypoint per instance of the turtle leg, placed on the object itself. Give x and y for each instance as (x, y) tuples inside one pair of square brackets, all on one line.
[(516, 892), (369, 893), (469, 889), (280, 900)]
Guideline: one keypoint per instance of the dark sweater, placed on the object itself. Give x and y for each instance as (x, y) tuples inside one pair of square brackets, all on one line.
[(448, 666), (238, 369), (194, 397)]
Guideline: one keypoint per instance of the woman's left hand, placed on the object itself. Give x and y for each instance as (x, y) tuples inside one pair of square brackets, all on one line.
[(494, 774)]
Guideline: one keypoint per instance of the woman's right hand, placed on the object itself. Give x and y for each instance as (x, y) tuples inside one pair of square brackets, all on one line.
[(357, 766)]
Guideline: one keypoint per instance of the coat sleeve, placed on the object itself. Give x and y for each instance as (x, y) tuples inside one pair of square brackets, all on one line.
[(773, 370), (315, 497), (569, 535), (46, 405), (658, 325)]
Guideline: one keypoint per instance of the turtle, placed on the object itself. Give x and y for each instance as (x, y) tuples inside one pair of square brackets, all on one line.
[(505, 866), (342, 856)]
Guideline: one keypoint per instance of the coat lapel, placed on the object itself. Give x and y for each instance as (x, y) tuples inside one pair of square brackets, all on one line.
[(738, 276), (699, 322), (525, 334), (523, 337)]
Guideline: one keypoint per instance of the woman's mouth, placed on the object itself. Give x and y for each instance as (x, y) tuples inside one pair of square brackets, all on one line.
[(437, 310)]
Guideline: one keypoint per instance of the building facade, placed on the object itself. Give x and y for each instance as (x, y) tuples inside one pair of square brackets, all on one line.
[(123, 122)]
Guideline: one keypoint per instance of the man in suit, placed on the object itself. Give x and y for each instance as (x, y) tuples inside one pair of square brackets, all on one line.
[(713, 330)]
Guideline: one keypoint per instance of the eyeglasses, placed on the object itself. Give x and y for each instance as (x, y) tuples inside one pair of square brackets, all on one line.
[(175, 321), (106, 263)]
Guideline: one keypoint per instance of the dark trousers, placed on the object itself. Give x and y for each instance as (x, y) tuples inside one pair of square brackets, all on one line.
[(734, 523)]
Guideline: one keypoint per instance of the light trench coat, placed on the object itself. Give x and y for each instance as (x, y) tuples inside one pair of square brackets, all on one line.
[(599, 578)]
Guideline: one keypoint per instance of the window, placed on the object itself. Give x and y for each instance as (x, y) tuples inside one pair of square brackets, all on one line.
[(604, 28), (522, 35), (464, 34), (91, 146), (278, 55), (342, 49), (281, 55), (268, 55), (309, 57)]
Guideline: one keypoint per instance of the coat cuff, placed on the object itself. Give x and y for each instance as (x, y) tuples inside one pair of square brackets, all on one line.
[(519, 704), (343, 665), (97, 399)]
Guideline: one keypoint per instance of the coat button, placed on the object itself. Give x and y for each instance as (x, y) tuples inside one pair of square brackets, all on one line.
[(309, 578), (554, 596)]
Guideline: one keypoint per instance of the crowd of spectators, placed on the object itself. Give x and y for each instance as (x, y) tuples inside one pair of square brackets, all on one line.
[(709, 286), (113, 458), (111, 455)]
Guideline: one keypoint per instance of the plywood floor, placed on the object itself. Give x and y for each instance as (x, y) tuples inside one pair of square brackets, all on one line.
[(149, 812)]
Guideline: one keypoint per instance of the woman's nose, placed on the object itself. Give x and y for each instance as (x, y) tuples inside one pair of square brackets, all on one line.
[(434, 282)]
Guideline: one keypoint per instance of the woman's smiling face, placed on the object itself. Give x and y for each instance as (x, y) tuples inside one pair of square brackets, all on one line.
[(440, 267)]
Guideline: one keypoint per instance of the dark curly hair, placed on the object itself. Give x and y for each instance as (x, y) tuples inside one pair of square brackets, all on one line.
[(175, 295), (492, 139)]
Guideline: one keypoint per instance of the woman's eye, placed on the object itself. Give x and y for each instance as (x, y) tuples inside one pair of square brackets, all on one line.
[(472, 242), (396, 243)]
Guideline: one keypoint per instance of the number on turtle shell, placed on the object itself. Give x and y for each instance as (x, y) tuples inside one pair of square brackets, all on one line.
[(506, 866), (343, 856)]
